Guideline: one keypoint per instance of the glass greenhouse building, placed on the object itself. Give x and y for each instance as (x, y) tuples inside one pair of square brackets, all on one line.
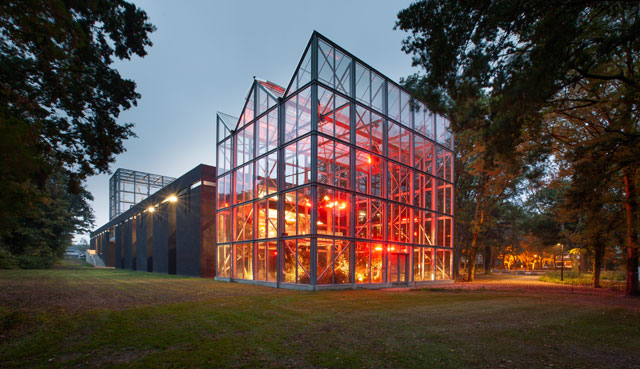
[(341, 180)]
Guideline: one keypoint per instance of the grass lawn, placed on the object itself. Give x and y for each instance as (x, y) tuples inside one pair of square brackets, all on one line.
[(76, 316)]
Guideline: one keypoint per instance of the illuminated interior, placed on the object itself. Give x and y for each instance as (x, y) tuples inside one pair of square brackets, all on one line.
[(341, 179)]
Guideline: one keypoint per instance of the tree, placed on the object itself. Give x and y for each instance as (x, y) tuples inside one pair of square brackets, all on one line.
[(520, 56), (59, 97)]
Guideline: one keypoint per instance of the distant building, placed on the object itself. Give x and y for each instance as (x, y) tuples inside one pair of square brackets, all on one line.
[(128, 187)]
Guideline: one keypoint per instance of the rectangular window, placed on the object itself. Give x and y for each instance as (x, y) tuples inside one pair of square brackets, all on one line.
[(224, 191), (424, 227), (297, 115), (334, 163), (442, 132), (400, 220), (393, 101), (369, 218), (266, 175), (443, 264), (334, 68), (267, 210), (333, 212), (422, 264), (243, 218), (333, 261), (244, 145), (445, 164), (400, 147), (297, 212), (334, 115), (369, 169), (244, 183), (399, 183), (445, 231), (296, 263), (266, 261), (406, 115), (224, 226), (445, 197), (369, 130), (268, 132), (225, 158), (243, 256), (423, 120), (297, 155), (223, 258)]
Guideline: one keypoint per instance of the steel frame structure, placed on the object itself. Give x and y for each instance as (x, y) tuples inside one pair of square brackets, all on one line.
[(340, 180), (128, 187)]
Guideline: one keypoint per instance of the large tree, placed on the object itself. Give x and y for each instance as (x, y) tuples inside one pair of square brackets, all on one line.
[(60, 97), (520, 56)]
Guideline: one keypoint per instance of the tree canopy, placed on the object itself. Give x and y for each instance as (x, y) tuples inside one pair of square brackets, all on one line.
[(562, 74), (60, 99)]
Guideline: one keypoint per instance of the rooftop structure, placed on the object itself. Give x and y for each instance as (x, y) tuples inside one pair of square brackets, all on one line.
[(129, 187)]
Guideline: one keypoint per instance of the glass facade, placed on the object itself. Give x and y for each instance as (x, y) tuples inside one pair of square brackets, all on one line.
[(342, 179)]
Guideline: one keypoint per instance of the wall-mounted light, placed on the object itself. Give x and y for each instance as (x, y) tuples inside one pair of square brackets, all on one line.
[(172, 198), (151, 209)]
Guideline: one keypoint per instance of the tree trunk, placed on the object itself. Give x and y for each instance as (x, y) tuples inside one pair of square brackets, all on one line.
[(487, 259), (631, 206), (598, 259), (478, 219)]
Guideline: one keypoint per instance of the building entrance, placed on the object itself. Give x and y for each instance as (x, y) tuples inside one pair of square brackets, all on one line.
[(398, 268)]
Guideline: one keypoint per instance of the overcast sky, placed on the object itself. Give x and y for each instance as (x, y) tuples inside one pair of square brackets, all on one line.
[(204, 56)]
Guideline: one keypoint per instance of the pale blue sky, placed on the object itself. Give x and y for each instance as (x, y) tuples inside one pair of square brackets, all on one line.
[(204, 56)]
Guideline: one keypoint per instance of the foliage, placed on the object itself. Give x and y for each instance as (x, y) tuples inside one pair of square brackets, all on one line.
[(519, 72), (59, 104)]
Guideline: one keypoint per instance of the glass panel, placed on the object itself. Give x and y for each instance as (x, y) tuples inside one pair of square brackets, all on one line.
[(399, 183), (261, 261), (377, 92), (298, 163), (363, 84), (325, 210), (333, 261), (343, 73), (442, 130), (268, 132), (377, 266), (224, 191), (399, 223), (262, 210), (369, 221), (393, 103), (298, 115), (422, 264), (424, 228), (304, 72), (405, 109), (445, 231), (369, 130), (272, 261), (443, 264), (334, 115), (445, 197), (304, 211), (225, 155), (334, 163), (289, 262), (266, 175), (243, 216), (290, 213), (334, 68), (223, 258), (243, 256), (248, 113), (363, 262), (304, 261), (399, 143), (445, 164), (325, 63), (341, 212), (244, 183), (224, 226)]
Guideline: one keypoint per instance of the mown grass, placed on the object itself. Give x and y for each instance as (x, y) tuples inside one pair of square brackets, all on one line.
[(607, 279), (113, 318)]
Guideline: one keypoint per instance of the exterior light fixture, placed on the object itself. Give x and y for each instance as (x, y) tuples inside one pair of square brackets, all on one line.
[(151, 209), (172, 198)]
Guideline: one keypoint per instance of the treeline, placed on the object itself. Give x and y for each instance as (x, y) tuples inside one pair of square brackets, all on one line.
[(59, 101), (543, 97)]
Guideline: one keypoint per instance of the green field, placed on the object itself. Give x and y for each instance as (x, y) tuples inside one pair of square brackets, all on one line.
[(83, 317)]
